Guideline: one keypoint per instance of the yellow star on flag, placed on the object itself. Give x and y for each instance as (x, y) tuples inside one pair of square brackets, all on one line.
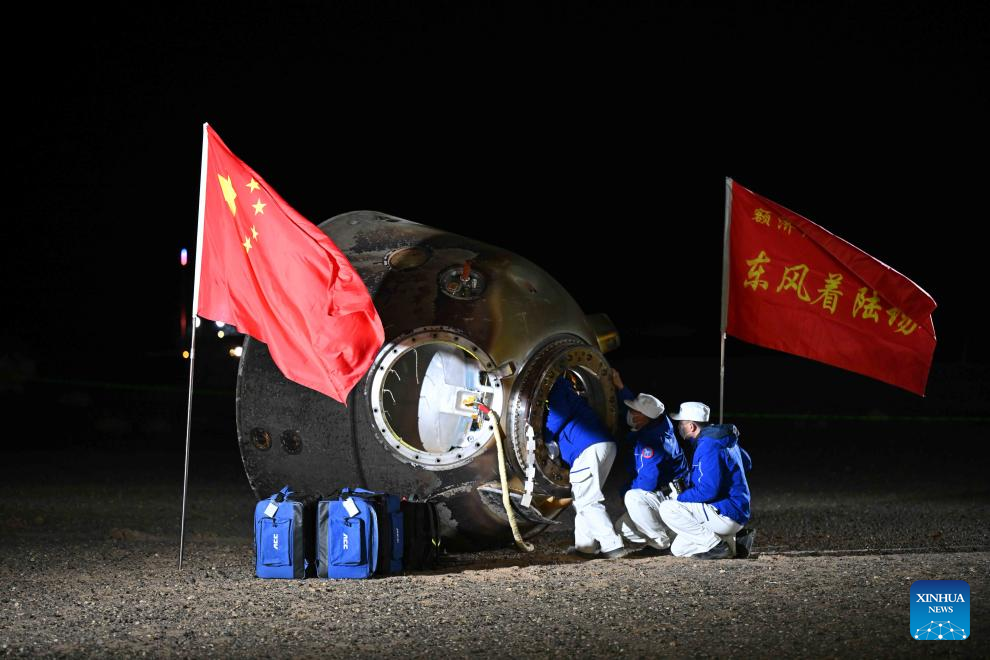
[(247, 244), (254, 233), (252, 185), (228, 193), (259, 207)]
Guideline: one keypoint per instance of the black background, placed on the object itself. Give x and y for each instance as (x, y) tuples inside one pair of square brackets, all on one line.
[(590, 139)]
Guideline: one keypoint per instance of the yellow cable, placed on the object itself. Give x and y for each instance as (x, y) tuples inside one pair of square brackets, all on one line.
[(506, 500)]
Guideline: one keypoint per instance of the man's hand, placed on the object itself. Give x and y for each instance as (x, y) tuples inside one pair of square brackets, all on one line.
[(617, 379)]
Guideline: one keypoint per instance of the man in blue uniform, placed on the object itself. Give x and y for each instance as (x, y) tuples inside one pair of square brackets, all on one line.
[(715, 505), (585, 445), (656, 460)]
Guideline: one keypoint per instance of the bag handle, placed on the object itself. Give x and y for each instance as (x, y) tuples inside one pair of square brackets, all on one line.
[(275, 500), (360, 492)]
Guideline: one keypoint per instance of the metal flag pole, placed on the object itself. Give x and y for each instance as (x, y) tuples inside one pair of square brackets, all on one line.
[(725, 296), (192, 343)]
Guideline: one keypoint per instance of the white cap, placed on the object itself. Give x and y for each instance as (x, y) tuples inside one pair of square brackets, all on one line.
[(649, 405), (692, 411)]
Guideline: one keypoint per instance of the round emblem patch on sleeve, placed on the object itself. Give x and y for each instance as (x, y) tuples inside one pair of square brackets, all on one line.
[(647, 452)]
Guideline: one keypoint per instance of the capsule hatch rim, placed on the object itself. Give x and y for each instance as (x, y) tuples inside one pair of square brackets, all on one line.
[(394, 351), (531, 388)]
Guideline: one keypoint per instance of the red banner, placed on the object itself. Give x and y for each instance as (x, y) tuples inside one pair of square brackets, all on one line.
[(274, 275), (797, 288)]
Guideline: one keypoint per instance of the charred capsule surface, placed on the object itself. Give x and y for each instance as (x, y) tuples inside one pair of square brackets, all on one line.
[(465, 323)]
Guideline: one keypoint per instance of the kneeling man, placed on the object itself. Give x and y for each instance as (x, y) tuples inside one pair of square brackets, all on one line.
[(715, 504)]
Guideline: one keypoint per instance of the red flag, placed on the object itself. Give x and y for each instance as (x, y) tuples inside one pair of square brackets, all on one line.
[(797, 288), (274, 275)]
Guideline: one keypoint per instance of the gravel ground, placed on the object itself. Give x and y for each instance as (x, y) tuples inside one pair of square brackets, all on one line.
[(88, 569)]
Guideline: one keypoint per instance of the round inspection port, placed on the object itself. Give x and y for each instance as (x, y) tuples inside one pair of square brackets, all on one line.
[(261, 439), (462, 283), (291, 441), (407, 258)]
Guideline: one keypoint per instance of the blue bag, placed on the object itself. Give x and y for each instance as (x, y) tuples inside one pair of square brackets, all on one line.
[(392, 555), (279, 539), (359, 534)]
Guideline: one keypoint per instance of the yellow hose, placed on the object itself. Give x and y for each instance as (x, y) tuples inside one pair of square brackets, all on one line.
[(506, 500)]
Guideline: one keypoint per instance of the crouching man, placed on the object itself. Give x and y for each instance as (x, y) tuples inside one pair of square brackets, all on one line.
[(715, 504), (654, 460)]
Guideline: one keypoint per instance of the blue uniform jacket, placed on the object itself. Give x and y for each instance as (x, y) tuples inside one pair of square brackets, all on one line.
[(656, 458), (572, 422), (718, 472)]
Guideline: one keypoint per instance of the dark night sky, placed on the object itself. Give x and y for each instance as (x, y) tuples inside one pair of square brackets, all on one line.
[(610, 129)]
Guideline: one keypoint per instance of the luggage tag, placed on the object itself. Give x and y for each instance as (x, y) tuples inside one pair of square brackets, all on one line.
[(350, 507), (271, 509)]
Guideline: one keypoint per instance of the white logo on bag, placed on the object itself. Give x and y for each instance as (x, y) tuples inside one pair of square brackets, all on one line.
[(275, 541), (345, 541)]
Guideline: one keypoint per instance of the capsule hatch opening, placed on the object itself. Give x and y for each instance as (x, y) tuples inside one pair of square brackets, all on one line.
[(425, 396)]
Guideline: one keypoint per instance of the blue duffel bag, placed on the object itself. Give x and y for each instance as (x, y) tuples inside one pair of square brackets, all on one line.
[(279, 539), (359, 534)]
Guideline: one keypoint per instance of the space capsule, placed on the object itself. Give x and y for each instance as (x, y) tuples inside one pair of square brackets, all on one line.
[(465, 323)]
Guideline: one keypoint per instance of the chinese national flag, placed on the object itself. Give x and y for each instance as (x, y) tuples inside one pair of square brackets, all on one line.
[(794, 287), (275, 276)]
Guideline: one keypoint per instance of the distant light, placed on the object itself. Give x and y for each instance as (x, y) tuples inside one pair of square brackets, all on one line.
[(220, 324), (236, 351), (220, 334), (185, 355), (184, 256)]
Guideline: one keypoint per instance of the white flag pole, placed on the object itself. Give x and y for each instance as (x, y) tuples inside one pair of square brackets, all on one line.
[(192, 343), (725, 296)]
